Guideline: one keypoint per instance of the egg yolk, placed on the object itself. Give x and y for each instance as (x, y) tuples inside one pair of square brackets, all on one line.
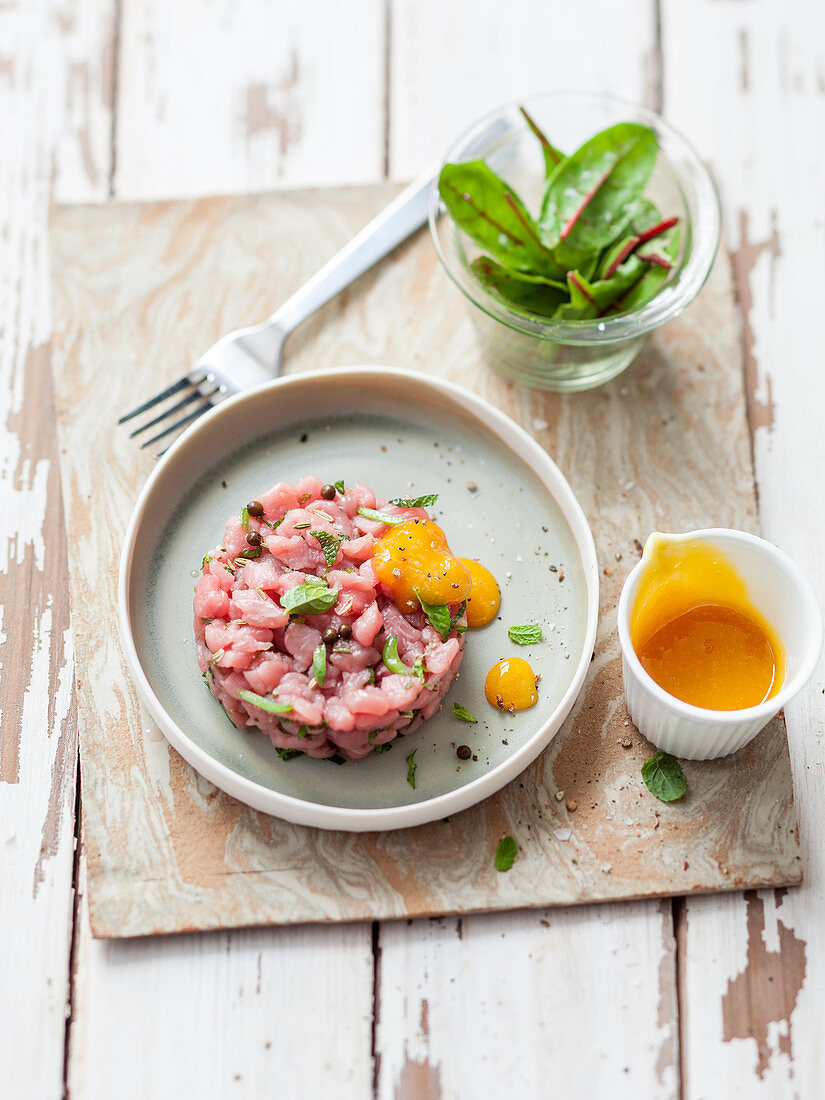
[(485, 597), (413, 560), (696, 632), (511, 685)]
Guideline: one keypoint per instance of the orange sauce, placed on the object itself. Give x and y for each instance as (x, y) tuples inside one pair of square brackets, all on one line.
[(697, 633), (511, 685), (485, 596), (414, 558)]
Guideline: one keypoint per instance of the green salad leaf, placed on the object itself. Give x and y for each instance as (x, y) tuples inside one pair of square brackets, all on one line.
[(463, 714), (313, 598), (664, 777), (271, 706), (490, 212), (598, 245), (552, 156), (506, 853)]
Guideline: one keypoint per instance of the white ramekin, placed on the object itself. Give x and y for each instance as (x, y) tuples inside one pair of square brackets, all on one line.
[(779, 590)]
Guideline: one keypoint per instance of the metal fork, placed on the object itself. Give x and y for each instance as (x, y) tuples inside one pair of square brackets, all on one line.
[(249, 356)]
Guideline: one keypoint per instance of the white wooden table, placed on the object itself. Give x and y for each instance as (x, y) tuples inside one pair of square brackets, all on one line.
[(708, 997)]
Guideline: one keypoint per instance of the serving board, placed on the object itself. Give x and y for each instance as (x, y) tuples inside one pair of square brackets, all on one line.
[(141, 289)]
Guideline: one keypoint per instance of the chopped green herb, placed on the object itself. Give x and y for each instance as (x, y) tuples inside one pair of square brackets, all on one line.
[(303, 732), (330, 544), (336, 758), (439, 616), (206, 560), (277, 522), (391, 658), (372, 736), (288, 754), (425, 501), (252, 552), (383, 748), (339, 485), (664, 777), (380, 517), (208, 676), (529, 634), (371, 671), (505, 853), (419, 668), (411, 768), (313, 598), (271, 706), (304, 497), (454, 620), (463, 714), (319, 664), (245, 518)]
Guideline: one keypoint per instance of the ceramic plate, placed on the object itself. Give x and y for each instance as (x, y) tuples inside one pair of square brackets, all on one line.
[(501, 499)]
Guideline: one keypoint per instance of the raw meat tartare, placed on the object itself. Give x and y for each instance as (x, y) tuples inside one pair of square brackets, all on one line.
[(330, 619)]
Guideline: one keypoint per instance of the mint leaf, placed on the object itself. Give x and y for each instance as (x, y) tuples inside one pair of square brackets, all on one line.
[(380, 517), (411, 768), (425, 501), (330, 544), (271, 706), (313, 598), (339, 485), (439, 616), (463, 714), (529, 634), (505, 853), (391, 659), (319, 664), (664, 777), (245, 518)]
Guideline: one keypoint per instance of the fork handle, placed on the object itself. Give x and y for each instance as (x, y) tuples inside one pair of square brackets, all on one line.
[(394, 224)]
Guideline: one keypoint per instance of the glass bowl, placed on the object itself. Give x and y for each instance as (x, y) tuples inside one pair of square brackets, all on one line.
[(576, 355)]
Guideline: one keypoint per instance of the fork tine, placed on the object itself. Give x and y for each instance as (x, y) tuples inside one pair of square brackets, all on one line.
[(170, 411), (176, 387), (205, 407)]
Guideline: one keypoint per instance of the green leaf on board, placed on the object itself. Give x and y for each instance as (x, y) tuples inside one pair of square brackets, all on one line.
[(506, 853), (664, 777)]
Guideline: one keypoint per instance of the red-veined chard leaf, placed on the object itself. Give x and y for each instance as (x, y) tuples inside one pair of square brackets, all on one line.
[(586, 198), (490, 212), (526, 292)]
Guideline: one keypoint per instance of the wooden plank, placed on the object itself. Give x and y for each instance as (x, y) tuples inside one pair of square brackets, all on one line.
[(753, 976), (54, 108), (283, 1012), (560, 1002), (450, 63), (238, 96), (613, 845)]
